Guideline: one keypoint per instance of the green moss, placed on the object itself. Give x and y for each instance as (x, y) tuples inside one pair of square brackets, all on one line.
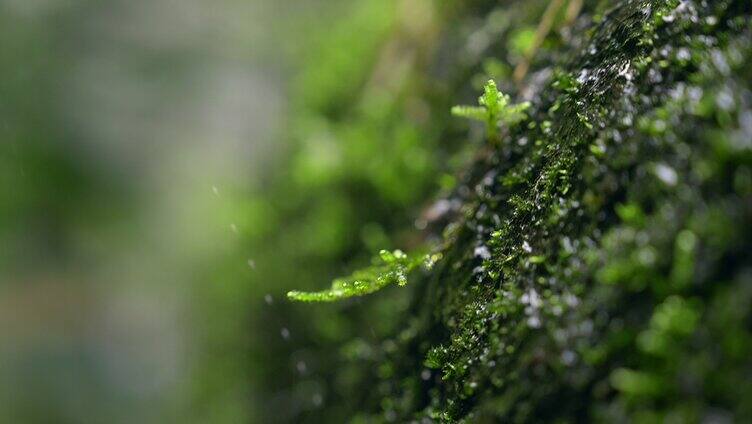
[(393, 267), (495, 108), (598, 266)]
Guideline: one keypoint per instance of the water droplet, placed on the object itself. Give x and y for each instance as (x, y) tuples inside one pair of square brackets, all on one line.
[(683, 54), (624, 72), (482, 252), (252, 263), (301, 367), (285, 333), (583, 76), (268, 299), (666, 174), (534, 322), (425, 375)]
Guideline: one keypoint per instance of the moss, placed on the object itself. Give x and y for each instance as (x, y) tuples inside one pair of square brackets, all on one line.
[(390, 268), (493, 109), (598, 268)]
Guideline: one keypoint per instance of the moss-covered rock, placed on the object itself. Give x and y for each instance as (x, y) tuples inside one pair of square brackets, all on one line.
[(598, 264)]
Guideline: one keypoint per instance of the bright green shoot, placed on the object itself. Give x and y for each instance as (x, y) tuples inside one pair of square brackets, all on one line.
[(494, 109), (391, 267)]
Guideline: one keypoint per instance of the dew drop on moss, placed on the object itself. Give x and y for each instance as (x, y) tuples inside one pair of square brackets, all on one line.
[(482, 252)]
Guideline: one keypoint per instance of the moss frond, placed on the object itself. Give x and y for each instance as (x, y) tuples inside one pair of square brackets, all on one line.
[(389, 268), (494, 109)]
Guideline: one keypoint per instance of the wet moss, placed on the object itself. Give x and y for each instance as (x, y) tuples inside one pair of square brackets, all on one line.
[(599, 267)]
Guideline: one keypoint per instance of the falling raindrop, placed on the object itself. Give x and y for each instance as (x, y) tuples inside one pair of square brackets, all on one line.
[(425, 375), (252, 263), (285, 333), (234, 228), (301, 366), (215, 190), (268, 299)]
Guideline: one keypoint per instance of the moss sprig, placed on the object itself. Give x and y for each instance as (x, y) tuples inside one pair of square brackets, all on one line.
[(388, 268), (494, 109)]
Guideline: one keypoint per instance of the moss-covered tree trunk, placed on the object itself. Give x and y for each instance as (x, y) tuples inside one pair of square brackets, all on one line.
[(598, 264)]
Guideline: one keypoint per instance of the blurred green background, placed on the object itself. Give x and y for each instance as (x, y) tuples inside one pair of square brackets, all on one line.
[(169, 169)]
